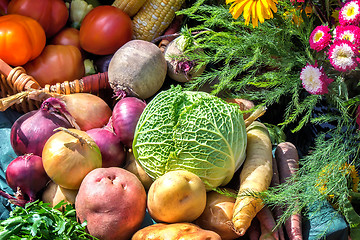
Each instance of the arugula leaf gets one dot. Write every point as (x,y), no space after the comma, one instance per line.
(37,220)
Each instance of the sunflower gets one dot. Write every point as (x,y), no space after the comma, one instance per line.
(257,10)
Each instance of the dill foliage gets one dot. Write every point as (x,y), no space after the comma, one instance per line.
(262,64)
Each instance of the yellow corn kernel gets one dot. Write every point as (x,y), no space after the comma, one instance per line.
(154,17)
(130,7)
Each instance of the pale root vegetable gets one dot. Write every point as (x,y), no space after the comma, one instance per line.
(137,69)
(54,194)
(287,158)
(217,214)
(176,196)
(133,166)
(175,231)
(255,176)
(113,202)
(179,67)
(267,225)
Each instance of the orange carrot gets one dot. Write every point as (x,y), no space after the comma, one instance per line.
(288,163)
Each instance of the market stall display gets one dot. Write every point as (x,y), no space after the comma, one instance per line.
(196,119)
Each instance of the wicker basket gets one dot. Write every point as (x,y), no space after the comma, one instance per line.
(15,80)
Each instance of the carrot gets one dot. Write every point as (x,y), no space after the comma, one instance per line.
(277,210)
(267,224)
(288,163)
(255,176)
(253,232)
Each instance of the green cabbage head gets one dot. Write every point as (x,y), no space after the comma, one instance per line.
(193,131)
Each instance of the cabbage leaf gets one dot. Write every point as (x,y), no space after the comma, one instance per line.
(193,131)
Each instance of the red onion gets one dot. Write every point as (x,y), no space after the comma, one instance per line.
(112,150)
(30,132)
(26,175)
(125,116)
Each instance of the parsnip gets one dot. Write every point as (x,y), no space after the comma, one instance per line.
(255,176)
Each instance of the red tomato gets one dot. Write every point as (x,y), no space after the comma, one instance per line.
(67,36)
(51,14)
(21,40)
(104,30)
(56,64)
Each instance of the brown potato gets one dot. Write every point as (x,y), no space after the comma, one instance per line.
(217,215)
(133,166)
(175,231)
(54,194)
(176,196)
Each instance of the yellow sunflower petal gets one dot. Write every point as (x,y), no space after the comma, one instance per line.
(247,11)
(272,5)
(260,11)
(254,21)
(238,8)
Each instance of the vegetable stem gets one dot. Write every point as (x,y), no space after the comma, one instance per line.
(82,140)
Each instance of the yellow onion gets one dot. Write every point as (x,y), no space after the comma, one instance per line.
(69,155)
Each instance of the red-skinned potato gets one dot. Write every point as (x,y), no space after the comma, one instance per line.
(217,214)
(113,202)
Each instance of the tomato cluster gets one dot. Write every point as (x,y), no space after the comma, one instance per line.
(38,35)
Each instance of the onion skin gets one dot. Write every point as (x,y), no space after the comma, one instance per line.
(88,110)
(68,159)
(112,150)
(30,132)
(125,116)
(26,175)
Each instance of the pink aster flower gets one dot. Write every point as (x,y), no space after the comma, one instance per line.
(350,13)
(350,32)
(320,38)
(314,79)
(343,55)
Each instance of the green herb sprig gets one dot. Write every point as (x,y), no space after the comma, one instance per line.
(40,221)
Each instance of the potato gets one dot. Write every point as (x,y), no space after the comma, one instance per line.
(54,194)
(176,196)
(138,68)
(217,215)
(175,231)
(133,166)
(113,202)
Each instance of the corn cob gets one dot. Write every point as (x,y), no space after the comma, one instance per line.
(130,7)
(154,17)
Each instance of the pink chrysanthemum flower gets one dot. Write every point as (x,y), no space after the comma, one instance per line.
(342,55)
(314,79)
(350,32)
(320,38)
(350,13)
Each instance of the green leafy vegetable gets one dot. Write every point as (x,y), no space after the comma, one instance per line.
(39,221)
(192,131)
